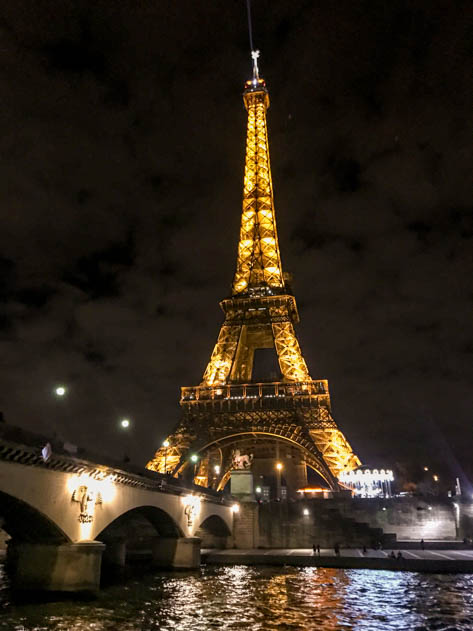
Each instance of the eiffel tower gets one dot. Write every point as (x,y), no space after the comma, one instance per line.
(283,416)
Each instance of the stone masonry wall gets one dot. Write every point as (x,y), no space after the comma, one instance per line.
(346,521)
(409,518)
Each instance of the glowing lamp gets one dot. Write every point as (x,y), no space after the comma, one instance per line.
(279,466)
(235,508)
(166,444)
(306,512)
(125,423)
(194,458)
(60,391)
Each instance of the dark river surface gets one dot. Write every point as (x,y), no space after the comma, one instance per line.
(240,597)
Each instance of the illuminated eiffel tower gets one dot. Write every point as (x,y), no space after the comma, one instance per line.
(280,417)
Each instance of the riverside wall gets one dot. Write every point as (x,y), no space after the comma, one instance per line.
(409,518)
(350,522)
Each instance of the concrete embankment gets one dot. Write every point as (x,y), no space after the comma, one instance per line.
(351,561)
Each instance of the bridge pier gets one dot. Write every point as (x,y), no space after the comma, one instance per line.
(67,567)
(115,553)
(178,553)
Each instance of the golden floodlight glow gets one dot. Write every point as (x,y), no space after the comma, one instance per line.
(261,313)
(88,492)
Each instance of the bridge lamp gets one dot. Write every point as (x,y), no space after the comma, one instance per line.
(258,489)
(279,466)
(60,391)
(235,508)
(125,423)
(436,478)
(194,459)
(217,469)
(306,512)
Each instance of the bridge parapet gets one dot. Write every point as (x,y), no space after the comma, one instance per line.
(143,479)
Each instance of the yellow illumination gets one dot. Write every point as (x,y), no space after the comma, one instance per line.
(192,507)
(259,314)
(258,259)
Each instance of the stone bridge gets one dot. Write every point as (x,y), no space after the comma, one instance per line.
(62,514)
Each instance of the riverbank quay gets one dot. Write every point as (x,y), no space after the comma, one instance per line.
(432,561)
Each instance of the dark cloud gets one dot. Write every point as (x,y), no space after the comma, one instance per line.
(122,152)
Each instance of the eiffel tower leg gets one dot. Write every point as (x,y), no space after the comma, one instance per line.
(291,362)
(223,355)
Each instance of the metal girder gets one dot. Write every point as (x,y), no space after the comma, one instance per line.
(259,260)
(260,314)
(222,357)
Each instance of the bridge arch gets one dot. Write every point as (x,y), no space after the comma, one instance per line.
(150,520)
(213,532)
(26,524)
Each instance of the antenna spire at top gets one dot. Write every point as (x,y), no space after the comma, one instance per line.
(254,56)
(254,53)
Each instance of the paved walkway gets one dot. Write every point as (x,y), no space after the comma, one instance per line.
(416,560)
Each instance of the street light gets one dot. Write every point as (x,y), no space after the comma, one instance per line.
(60,391)
(217,469)
(279,467)
(194,459)
(125,423)
(165,445)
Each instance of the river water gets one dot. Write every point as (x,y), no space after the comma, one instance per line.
(258,598)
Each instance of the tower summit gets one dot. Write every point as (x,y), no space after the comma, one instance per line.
(283,417)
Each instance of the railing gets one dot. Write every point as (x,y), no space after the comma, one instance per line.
(249,391)
(139,478)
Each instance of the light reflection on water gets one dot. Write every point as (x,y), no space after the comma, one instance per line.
(263,599)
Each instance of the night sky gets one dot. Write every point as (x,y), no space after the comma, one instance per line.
(122,147)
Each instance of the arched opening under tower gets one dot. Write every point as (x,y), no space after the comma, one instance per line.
(280,466)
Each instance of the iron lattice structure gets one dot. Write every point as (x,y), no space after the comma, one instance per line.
(227,409)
